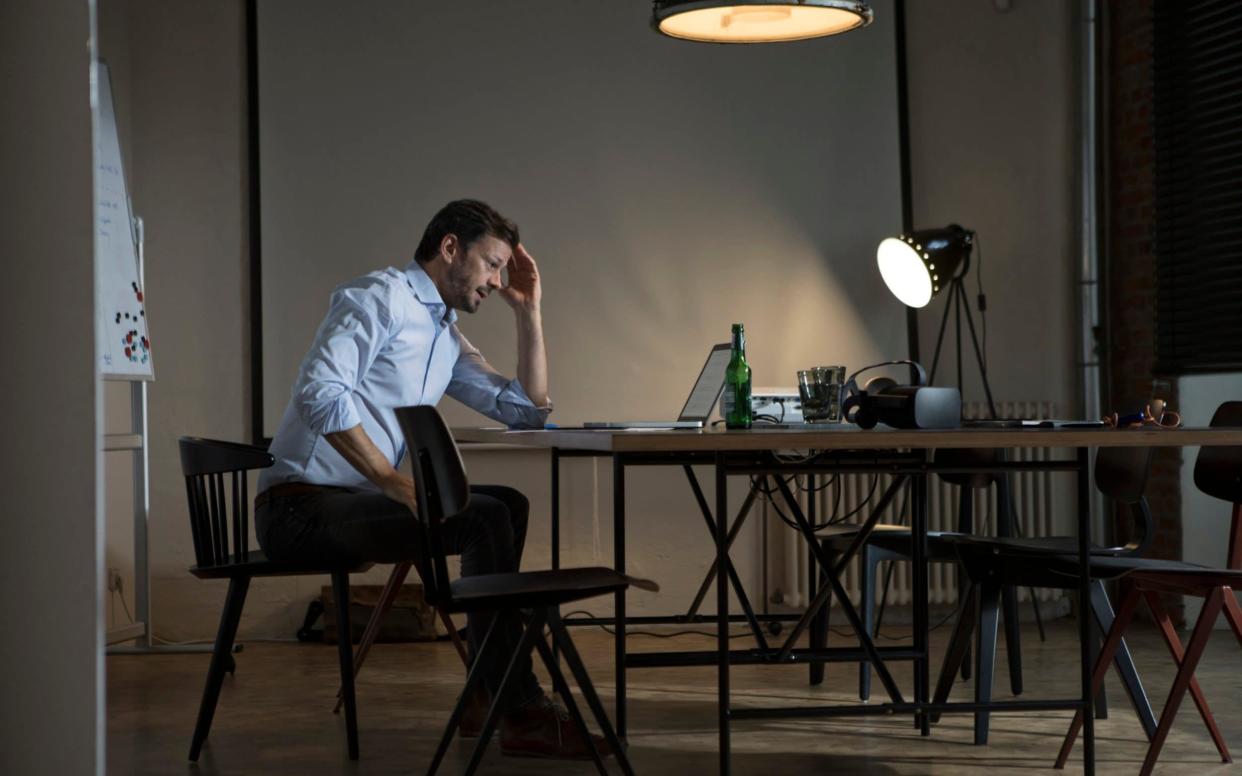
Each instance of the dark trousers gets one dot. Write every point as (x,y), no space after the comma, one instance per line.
(337,525)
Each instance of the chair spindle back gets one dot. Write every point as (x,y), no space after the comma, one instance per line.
(221,535)
(967,456)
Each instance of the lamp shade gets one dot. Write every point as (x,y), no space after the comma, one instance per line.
(916,266)
(757,21)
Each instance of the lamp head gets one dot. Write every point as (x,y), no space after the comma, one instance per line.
(757,21)
(916,266)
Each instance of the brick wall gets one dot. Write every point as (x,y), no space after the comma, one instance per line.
(1131,261)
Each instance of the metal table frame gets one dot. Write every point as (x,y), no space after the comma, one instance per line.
(750,453)
(916,467)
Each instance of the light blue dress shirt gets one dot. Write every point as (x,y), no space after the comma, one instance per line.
(387,341)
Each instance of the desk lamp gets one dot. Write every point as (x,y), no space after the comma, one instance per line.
(757,21)
(916,267)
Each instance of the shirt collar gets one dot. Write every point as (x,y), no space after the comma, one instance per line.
(425,291)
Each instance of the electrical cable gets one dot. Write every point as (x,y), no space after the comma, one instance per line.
(828,483)
(952,615)
(834,520)
(653,634)
(125,606)
(982,303)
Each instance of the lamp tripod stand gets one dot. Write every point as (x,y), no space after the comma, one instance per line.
(958,304)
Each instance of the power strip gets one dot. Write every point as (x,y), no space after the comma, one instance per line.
(780,404)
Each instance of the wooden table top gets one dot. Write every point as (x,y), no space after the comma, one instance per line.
(844,437)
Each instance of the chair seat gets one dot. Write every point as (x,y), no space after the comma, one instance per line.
(256,564)
(526,589)
(1043,545)
(893,538)
(1027,565)
(1115,567)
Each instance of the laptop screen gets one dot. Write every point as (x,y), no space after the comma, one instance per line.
(709,385)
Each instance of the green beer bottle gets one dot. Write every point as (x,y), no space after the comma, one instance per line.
(737,410)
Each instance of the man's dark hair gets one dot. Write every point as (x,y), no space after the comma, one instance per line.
(468,219)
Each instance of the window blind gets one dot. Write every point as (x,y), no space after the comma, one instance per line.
(1197,74)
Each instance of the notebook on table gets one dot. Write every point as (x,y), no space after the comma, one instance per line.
(1030,423)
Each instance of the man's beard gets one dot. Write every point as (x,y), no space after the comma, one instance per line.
(465,296)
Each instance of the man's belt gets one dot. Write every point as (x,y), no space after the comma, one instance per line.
(287,489)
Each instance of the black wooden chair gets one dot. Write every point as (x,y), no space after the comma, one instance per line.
(1218,473)
(222,551)
(443,491)
(983,605)
(892,543)
(1121,475)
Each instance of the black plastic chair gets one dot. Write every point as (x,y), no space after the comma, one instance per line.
(992,563)
(1218,473)
(222,551)
(443,492)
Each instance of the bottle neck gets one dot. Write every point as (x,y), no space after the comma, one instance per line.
(739,342)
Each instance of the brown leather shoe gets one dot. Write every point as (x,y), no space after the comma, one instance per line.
(475,713)
(543,729)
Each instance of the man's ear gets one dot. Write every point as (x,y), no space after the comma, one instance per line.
(450,248)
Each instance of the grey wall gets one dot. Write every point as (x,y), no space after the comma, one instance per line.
(993,144)
(179,83)
(185,106)
(53,678)
(667,189)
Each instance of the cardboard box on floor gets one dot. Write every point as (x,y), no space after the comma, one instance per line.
(409,619)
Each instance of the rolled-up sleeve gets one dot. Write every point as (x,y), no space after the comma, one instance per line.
(477,385)
(354,331)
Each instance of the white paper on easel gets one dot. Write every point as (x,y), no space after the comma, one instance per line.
(123,344)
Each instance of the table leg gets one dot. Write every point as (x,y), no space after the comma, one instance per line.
(618,549)
(1084,610)
(556,526)
(722,611)
(556,508)
(918,530)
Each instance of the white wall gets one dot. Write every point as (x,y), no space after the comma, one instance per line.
(1205,520)
(52,682)
(186,86)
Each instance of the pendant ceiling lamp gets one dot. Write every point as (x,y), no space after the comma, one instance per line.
(757,21)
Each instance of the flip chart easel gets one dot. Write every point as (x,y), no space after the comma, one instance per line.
(122,339)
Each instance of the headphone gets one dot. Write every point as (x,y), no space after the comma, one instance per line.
(859,406)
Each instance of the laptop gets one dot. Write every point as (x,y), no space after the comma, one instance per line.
(699,405)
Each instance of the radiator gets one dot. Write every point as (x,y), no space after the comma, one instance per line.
(1037,498)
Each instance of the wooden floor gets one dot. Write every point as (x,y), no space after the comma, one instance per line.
(275,715)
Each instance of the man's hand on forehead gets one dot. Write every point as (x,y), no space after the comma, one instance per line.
(522,288)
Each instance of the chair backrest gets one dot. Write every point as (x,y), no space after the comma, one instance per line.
(1121,475)
(205,462)
(1218,470)
(969,456)
(442,489)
